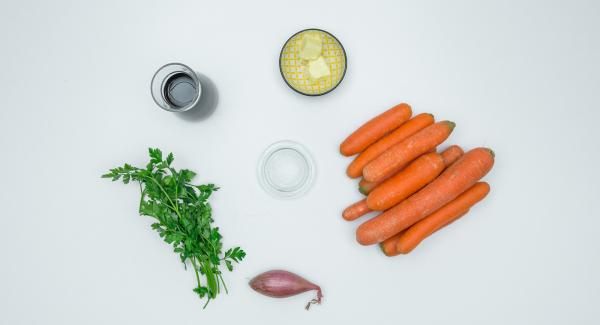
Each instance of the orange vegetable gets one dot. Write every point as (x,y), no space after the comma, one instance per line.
(407,129)
(451,154)
(459,177)
(444,216)
(399,155)
(365,187)
(376,128)
(356,210)
(388,246)
(408,181)
(405,183)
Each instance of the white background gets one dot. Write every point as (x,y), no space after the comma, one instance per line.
(521,77)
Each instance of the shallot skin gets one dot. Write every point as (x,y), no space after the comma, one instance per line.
(282,284)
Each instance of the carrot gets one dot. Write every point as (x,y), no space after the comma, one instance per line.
(365,187)
(399,155)
(356,210)
(408,181)
(407,129)
(388,246)
(417,174)
(374,129)
(451,154)
(444,216)
(459,177)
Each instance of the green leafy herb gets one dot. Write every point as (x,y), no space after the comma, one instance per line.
(183,218)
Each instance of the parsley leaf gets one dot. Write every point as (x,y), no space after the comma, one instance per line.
(183,218)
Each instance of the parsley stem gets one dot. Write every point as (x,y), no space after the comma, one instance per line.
(193,259)
(223,281)
(206,304)
(142,195)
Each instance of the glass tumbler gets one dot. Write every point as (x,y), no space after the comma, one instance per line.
(175,87)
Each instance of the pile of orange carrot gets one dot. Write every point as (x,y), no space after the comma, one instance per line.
(417,189)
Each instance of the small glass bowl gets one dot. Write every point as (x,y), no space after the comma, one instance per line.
(286,170)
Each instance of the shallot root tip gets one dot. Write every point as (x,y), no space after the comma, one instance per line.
(315,301)
(312,302)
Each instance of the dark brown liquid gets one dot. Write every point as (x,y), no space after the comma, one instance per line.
(180,90)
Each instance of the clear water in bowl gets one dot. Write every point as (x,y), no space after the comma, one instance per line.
(286,170)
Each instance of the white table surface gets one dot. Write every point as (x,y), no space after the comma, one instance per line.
(519,77)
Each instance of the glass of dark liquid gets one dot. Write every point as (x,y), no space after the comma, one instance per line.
(175,87)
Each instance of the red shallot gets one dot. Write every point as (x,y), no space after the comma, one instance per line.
(282,284)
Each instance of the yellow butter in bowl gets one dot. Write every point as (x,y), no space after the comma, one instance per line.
(311,46)
(318,69)
(312,62)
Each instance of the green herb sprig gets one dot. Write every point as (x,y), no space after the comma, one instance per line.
(183,218)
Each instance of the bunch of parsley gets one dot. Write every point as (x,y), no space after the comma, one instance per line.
(183,218)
